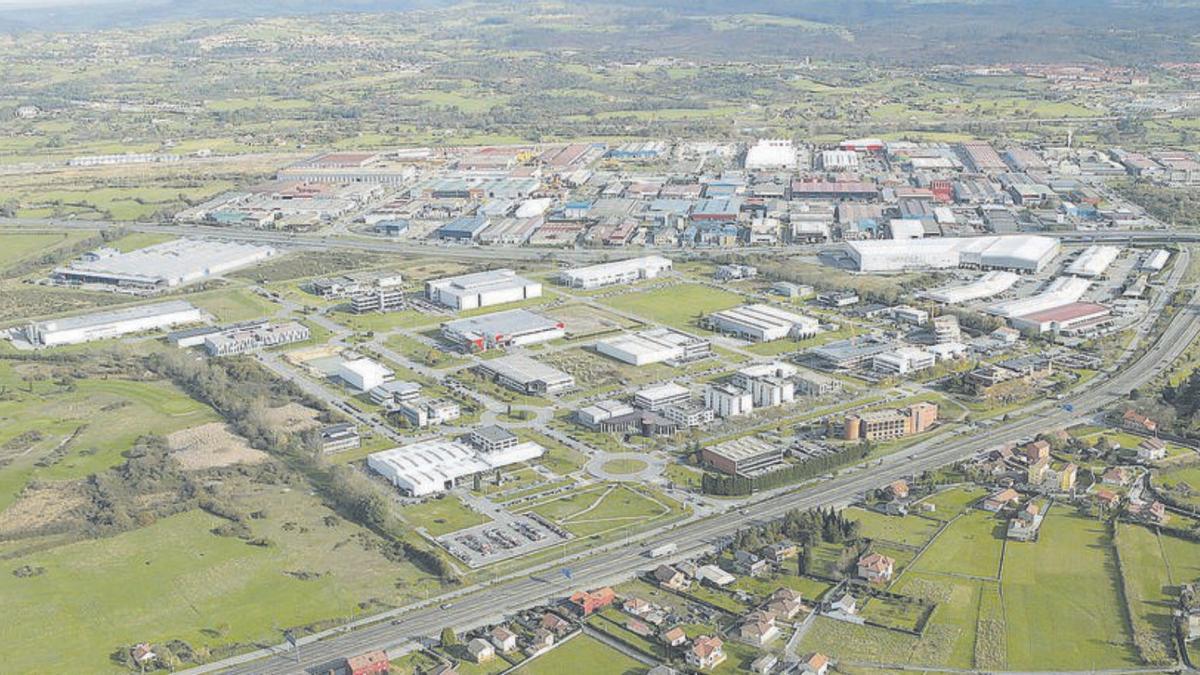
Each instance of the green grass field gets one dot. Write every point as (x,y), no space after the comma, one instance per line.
(911,530)
(1148,585)
(604,509)
(17,246)
(1062,601)
(441,516)
(970,546)
(679,305)
(583,655)
(235,304)
(176,580)
(112,413)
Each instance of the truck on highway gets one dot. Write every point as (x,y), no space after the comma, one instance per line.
(663,550)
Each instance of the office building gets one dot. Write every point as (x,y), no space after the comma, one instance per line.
(421,413)
(727,401)
(251,337)
(363,374)
(902,361)
(747,456)
(883,425)
(658,397)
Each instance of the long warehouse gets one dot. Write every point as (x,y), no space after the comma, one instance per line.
(162,266)
(111,324)
(1022,253)
(655,346)
(502,329)
(1093,261)
(1061,291)
(990,284)
(619,272)
(761,323)
(436,465)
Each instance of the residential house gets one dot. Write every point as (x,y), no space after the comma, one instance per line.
(555,624)
(1035,473)
(503,639)
(897,489)
(1106,498)
(758,628)
(586,602)
(706,652)
(1037,451)
(1066,477)
(1152,450)
(779,552)
(1024,526)
(671,578)
(1135,421)
(1150,512)
(1001,499)
(480,650)
(1118,475)
(876,567)
(815,664)
(636,607)
(372,663)
(541,640)
(143,653)
(674,637)
(748,563)
(784,603)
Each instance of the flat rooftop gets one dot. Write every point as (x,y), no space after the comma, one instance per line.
(1074,310)
(116,316)
(745,448)
(513,321)
(520,368)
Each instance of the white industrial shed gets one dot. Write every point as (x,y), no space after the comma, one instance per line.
(619,272)
(771,153)
(481,289)
(114,323)
(991,283)
(1061,291)
(762,323)
(654,346)
(1023,253)
(160,266)
(435,465)
(1156,260)
(1093,261)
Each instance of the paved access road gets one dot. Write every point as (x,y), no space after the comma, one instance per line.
(488,606)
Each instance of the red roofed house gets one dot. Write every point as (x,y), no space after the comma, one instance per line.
(1107,498)
(1116,476)
(586,602)
(1136,421)
(816,664)
(875,567)
(1000,500)
(898,489)
(706,652)
(1037,451)
(675,637)
(370,663)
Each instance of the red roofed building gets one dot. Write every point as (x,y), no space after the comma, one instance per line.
(875,567)
(706,652)
(369,663)
(1136,421)
(588,602)
(1069,318)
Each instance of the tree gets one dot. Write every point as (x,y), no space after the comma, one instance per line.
(449,639)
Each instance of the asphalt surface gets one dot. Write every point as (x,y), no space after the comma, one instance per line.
(489,605)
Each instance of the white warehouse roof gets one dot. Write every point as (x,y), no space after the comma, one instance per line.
(1061,291)
(1019,252)
(991,283)
(771,153)
(621,271)
(1093,261)
(430,466)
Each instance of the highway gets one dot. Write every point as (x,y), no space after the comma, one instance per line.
(489,605)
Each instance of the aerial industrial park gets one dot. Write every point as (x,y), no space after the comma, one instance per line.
(894,368)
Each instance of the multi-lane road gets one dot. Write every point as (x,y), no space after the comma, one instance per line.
(489,604)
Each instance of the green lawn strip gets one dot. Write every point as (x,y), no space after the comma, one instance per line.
(956,612)
(677,305)
(1148,591)
(949,503)
(234,304)
(582,655)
